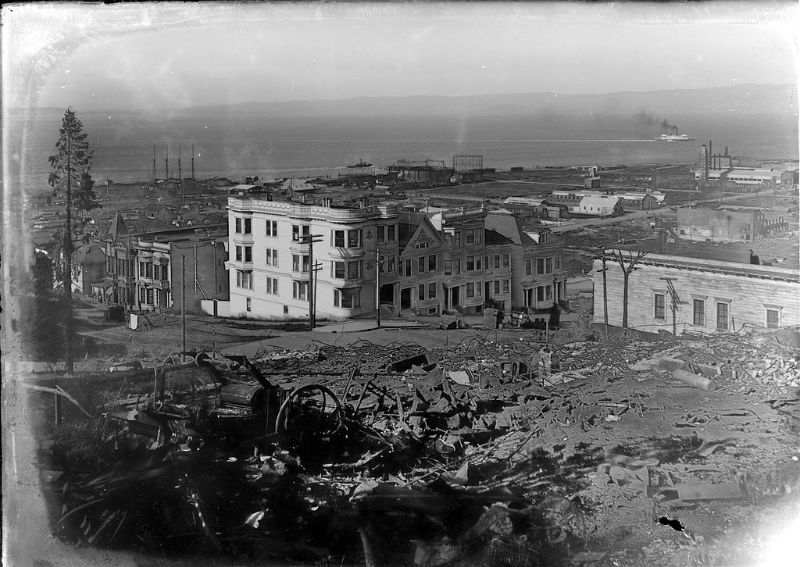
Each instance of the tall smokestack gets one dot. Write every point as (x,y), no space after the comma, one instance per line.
(166,162)
(192,162)
(179,162)
(726,150)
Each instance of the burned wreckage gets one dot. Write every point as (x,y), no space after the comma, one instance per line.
(471,454)
(216,457)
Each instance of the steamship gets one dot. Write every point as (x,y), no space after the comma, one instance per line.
(673,138)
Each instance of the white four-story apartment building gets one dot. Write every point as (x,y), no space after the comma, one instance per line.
(270,261)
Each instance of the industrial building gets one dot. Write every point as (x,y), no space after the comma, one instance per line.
(726,225)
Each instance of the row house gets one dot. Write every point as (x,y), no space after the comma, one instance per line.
(370,257)
(692,291)
(467,260)
(170,263)
(538,280)
(118,284)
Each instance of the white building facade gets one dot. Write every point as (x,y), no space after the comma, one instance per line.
(270,261)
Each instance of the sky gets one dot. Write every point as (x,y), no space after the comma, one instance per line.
(96,56)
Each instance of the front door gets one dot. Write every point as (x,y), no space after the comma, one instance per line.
(405,298)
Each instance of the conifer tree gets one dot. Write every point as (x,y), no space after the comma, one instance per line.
(70,177)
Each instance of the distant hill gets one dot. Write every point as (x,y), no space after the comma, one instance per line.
(753,99)
(647,106)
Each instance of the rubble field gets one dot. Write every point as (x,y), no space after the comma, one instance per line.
(618,453)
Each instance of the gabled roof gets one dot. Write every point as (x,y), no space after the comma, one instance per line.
(423,230)
(508,226)
(117,228)
(494,238)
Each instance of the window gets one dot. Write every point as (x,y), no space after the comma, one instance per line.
(431,291)
(238,225)
(432,263)
(347,299)
(272,228)
(659,303)
(548,265)
(338,270)
(469,237)
(408,267)
(497,261)
(421,264)
(272,257)
(722,316)
(391,264)
(249,304)
(381,233)
(496,287)
(300,230)
(507,287)
(458,266)
(699,312)
(238,253)
(300,263)
(528,267)
(353,271)
(338,238)
(353,238)
(248,253)
(272,286)
(470,263)
(421,292)
(448,267)
(244,279)
(248,226)
(557,260)
(299,290)
(458,238)
(773,318)
(390,233)
(506,260)
(470,290)
(540,293)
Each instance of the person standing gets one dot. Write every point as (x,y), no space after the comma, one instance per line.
(547,359)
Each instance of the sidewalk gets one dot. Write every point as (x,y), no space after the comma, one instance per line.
(356,325)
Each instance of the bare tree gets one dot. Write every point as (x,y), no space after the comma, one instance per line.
(70,178)
(627,260)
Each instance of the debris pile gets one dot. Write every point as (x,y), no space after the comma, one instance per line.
(398,454)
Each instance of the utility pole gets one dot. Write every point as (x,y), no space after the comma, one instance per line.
(183,306)
(675,301)
(605,297)
(192,162)
(378,286)
(154,164)
(166,164)
(180,177)
(310,239)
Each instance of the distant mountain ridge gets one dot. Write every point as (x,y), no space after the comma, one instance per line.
(740,98)
(749,98)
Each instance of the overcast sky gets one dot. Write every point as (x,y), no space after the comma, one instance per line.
(173,55)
